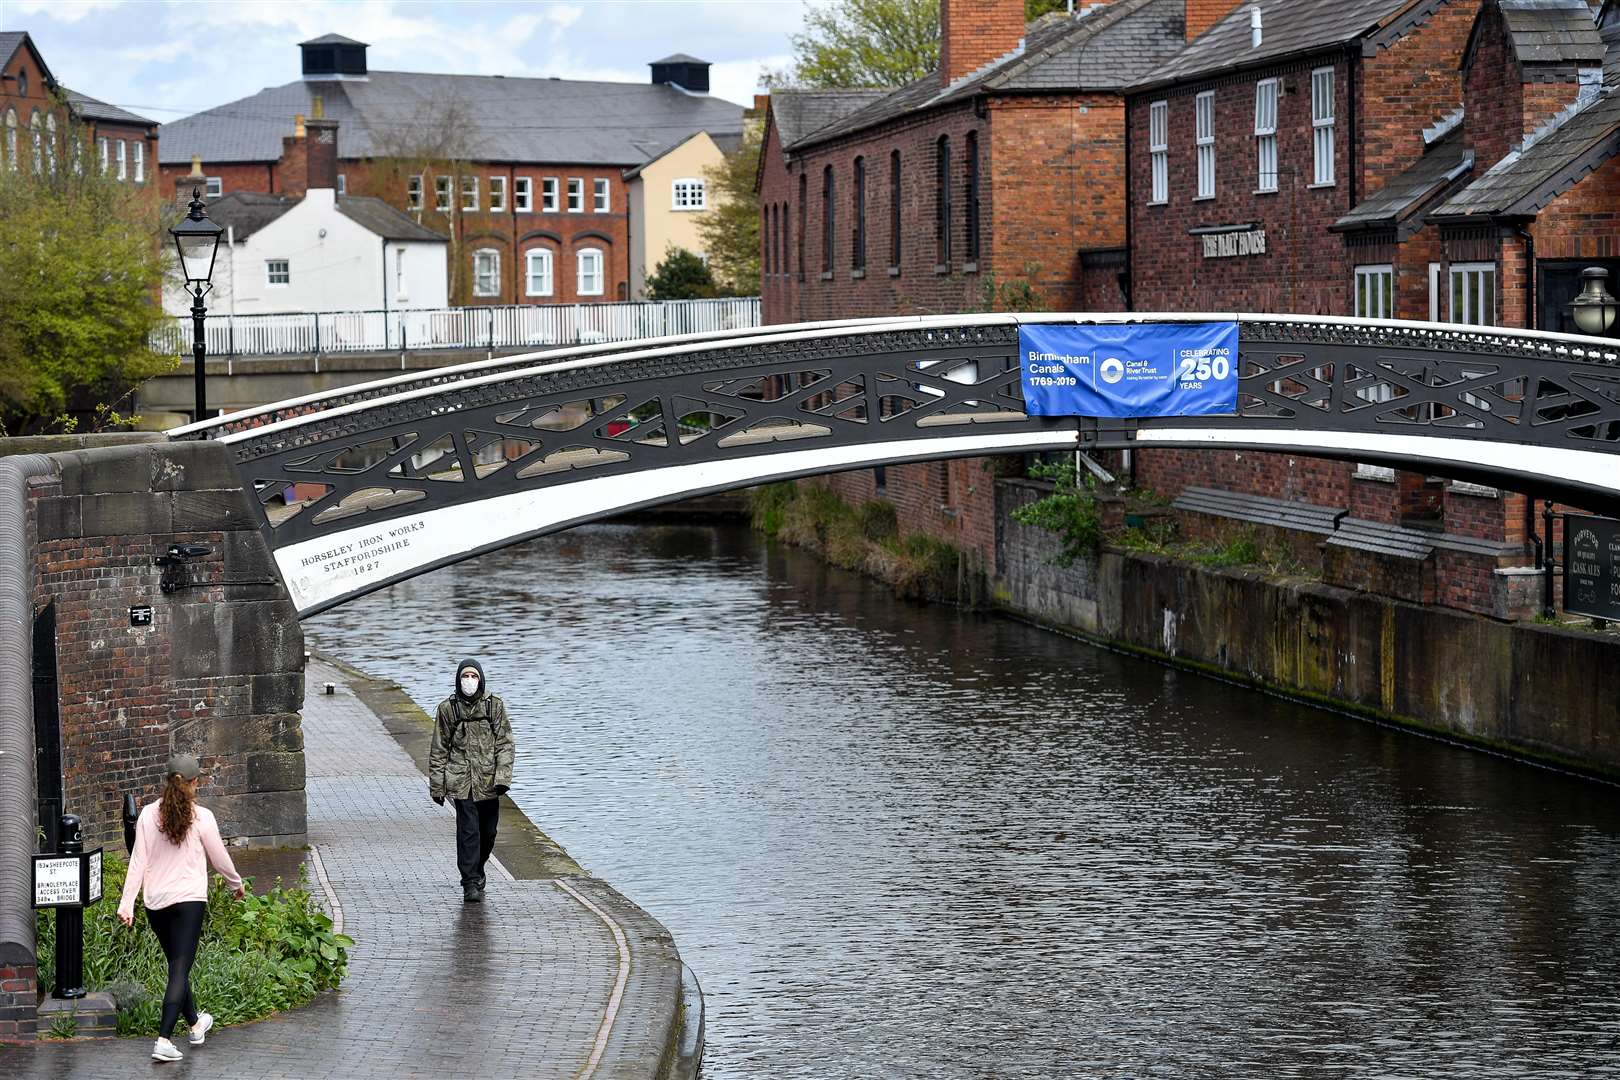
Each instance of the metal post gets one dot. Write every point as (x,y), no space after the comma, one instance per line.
(199,353)
(132,815)
(70,924)
(1548,608)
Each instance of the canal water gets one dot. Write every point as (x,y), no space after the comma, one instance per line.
(896,840)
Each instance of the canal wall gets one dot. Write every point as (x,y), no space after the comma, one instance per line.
(1538,692)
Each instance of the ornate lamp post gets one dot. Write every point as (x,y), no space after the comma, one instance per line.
(1594,309)
(197,241)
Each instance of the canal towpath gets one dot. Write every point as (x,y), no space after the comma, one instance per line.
(555,975)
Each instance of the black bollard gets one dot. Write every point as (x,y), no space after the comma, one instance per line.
(70,923)
(132,814)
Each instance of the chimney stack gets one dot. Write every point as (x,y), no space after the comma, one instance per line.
(974,32)
(320,148)
(193,179)
(1203,14)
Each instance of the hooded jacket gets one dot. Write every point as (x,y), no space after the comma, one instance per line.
(472,743)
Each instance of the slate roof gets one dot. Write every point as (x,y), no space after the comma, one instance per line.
(11,41)
(1557,158)
(800,113)
(680,58)
(1553,32)
(1442,167)
(561,121)
(91,109)
(1288,27)
(1104,48)
(246,212)
(333,39)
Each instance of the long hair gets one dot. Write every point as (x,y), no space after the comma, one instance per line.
(177,809)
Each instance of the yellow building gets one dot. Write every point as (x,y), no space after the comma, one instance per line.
(667,196)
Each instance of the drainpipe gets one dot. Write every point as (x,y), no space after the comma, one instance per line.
(1530,324)
(17,793)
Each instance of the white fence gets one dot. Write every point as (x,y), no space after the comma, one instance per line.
(454,328)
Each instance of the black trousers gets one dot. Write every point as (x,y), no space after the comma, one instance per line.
(178,928)
(475,837)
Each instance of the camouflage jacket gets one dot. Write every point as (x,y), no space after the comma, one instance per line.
(472,749)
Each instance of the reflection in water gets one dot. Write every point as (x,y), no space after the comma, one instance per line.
(897,840)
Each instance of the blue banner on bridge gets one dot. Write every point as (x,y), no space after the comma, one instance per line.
(1141,369)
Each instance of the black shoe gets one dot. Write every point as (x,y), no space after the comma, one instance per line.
(472,894)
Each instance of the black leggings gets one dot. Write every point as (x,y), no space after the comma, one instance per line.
(178,928)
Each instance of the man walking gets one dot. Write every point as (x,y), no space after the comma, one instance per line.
(471,764)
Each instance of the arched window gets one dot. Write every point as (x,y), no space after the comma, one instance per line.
(857,255)
(804,199)
(894,209)
(942,201)
(826,220)
(787,227)
(50,142)
(973,196)
(486,264)
(765,239)
(37,129)
(537,273)
(589,272)
(11,138)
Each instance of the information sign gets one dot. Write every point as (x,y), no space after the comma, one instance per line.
(1140,369)
(70,880)
(1592,566)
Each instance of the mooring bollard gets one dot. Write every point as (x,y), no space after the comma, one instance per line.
(132,814)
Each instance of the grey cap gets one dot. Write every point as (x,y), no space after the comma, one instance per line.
(186,765)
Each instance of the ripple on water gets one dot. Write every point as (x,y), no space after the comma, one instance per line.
(896,840)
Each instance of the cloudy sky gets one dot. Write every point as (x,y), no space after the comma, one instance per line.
(166,59)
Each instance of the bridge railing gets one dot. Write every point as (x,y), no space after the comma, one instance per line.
(513,327)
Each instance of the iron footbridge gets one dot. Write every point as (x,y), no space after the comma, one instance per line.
(368,485)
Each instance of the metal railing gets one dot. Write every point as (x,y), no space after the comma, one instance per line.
(518,327)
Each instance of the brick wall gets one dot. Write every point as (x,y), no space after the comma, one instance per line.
(1404,87)
(218,673)
(1492,93)
(974,32)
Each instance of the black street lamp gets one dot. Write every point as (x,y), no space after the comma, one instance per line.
(1594,309)
(197,240)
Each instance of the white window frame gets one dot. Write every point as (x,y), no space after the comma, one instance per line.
(213,186)
(497,194)
(580,276)
(549,187)
(50,141)
(486,284)
(120,155)
(343,184)
(1322,120)
(413,192)
(469,194)
(399,274)
(441,193)
(546,262)
(1267,92)
(523,195)
(271,271)
(1204,142)
(1475,298)
(1375,291)
(104,143)
(1159,150)
(576,195)
(688,194)
(1434,292)
(601,196)
(140,162)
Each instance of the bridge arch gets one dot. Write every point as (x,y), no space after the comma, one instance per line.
(361,487)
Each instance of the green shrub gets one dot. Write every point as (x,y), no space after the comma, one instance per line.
(879,521)
(258,955)
(1238,551)
(1070,512)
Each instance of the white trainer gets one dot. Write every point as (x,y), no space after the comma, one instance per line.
(200,1030)
(164,1050)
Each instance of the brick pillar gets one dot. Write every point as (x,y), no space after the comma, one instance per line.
(974,32)
(320,149)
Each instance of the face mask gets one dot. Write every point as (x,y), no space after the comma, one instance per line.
(469,685)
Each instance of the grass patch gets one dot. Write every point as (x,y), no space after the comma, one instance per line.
(867,540)
(259,955)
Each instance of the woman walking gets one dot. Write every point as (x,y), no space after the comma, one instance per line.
(175,840)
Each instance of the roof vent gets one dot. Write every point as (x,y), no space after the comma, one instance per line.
(682,72)
(334,57)
(1256,28)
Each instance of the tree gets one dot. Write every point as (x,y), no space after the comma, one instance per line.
(81,265)
(855,43)
(681,276)
(730,229)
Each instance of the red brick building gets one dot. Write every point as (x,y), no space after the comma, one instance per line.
(1001,170)
(523,175)
(44,125)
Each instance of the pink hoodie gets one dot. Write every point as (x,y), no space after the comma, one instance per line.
(170,873)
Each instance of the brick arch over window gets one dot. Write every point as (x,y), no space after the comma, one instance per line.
(540,234)
(591,236)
